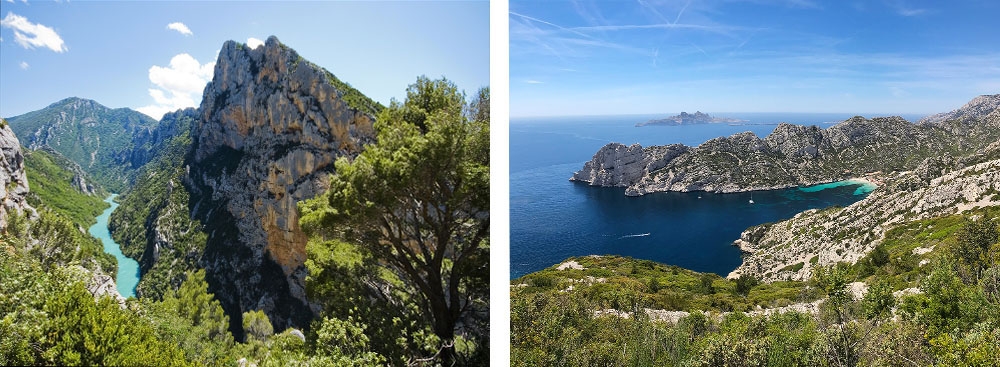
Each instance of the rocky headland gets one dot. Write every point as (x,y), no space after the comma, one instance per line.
(792,155)
(946,164)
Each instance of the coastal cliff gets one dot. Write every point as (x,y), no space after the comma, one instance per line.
(793,155)
(791,249)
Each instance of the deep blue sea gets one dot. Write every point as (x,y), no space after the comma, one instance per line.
(552,218)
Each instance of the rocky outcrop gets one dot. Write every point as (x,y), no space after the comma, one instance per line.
(270,129)
(99,284)
(791,249)
(619,165)
(791,155)
(13,180)
(81,181)
(975,109)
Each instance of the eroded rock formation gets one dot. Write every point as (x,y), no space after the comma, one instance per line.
(271,127)
(13,181)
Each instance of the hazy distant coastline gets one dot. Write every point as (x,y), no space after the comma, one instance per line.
(689,119)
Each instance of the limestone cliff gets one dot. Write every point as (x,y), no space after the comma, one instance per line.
(619,165)
(270,129)
(792,155)
(13,181)
(790,249)
(978,106)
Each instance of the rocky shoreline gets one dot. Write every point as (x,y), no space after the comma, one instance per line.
(793,155)
(946,164)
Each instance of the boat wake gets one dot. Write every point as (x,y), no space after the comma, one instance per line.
(634,235)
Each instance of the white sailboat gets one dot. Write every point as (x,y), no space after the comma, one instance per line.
(751,196)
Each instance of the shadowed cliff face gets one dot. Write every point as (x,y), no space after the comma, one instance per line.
(271,127)
(13,180)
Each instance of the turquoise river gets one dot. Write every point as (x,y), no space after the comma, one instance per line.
(128,269)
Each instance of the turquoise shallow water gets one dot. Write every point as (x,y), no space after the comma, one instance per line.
(128,269)
(863,188)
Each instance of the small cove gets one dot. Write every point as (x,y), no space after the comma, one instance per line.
(128,269)
(552,218)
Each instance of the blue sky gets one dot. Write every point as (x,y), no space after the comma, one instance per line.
(650,56)
(122,54)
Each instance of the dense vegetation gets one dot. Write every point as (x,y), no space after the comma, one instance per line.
(50,317)
(50,183)
(373,311)
(950,316)
(401,238)
(97,138)
(156,209)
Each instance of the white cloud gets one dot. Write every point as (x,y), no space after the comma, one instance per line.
(533,82)
(180,27)
(177,86)
(10,1)
(252,43)
(24,65)
(30,35)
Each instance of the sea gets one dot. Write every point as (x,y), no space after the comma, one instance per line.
(552,218)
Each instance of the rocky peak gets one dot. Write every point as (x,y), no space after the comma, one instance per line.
(978,107)
(93,136)
(795,140)
(271,127)
(13,180)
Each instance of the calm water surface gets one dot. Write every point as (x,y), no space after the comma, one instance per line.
(128,269)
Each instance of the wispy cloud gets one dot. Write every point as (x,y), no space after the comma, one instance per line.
(534,82)
(30,35)
(24,65)
(180,28)
(901,7)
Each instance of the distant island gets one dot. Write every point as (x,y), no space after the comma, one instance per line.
(689,119)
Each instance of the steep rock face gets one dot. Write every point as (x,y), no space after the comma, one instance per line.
(271,127)
(791,249)
(792,155)
(13,181)
(619,165)
(977,108)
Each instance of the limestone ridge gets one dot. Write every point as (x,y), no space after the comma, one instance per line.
(97,138)
(13,180)
(792,155)
(979,106)
(271,127)
(791,249)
